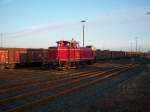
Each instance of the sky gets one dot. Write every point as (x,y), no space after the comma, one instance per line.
(110,24)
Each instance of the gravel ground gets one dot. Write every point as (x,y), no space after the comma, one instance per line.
(128,92)
(131,96)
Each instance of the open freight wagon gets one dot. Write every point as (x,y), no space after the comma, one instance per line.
(13,57)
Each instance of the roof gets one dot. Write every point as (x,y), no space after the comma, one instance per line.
(63,41)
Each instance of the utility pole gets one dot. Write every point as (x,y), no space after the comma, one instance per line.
(131,47)
(136,44)
(83,21)
(1,39)
(139,48)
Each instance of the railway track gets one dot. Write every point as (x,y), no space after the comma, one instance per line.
(35,80)
(57,88)
(30,74)
(24,78)
(35,73)
(21,87)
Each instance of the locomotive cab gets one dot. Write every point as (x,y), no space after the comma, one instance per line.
(71,44)
(63,43)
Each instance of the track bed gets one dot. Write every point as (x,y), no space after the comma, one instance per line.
(51,90)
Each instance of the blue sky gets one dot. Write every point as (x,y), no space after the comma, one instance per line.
(111,24)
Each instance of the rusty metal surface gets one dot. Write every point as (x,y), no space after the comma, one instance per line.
(22,55)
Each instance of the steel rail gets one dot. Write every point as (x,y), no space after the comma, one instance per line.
(48,99)
(51,85)
(90,77)
(47,84)
(36,82)
(31,79)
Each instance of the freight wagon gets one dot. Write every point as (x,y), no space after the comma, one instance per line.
(12,57)
(118,54)
(103,54)
(106,54)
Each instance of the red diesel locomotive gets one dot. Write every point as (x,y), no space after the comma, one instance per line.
(69,54)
